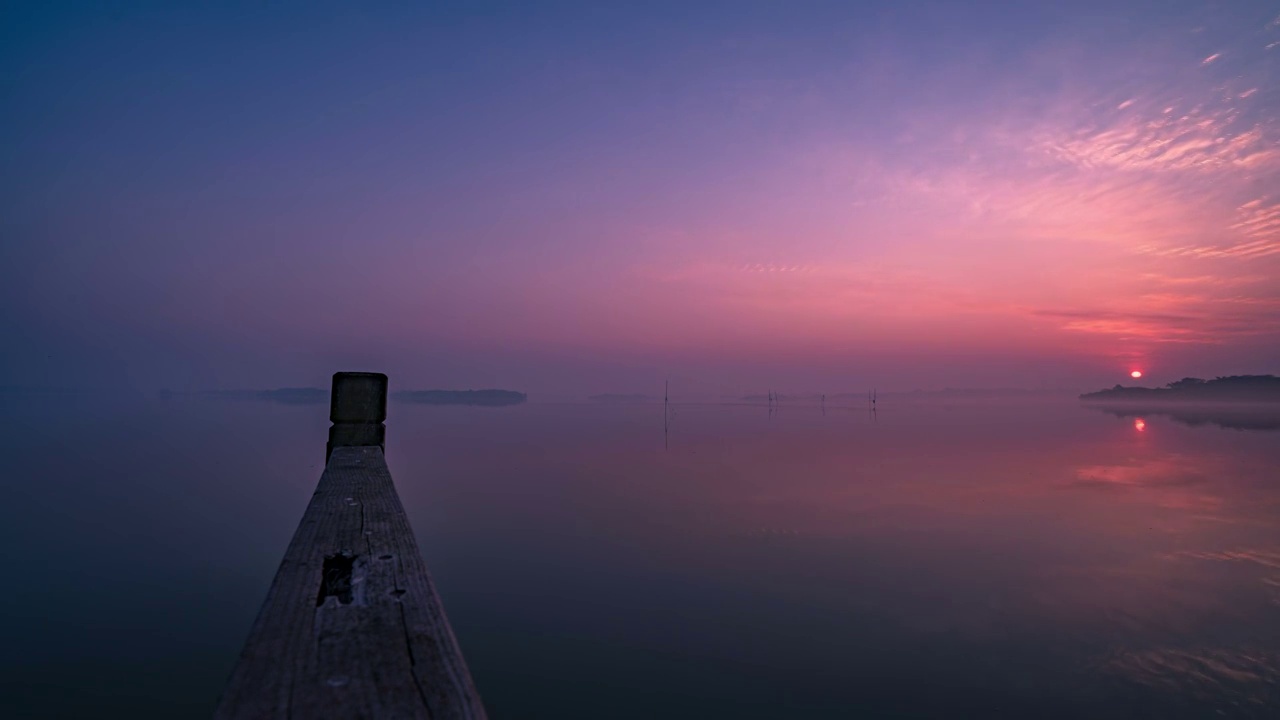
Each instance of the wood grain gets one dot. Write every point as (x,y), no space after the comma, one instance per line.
(389,652)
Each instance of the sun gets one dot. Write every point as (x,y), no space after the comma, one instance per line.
(1135,374)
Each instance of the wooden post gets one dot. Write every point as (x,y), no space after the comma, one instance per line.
(357,409)
(352,626)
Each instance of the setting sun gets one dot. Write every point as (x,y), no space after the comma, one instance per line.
(1135,374)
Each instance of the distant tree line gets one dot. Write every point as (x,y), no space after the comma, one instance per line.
(1229,388)
(491,398)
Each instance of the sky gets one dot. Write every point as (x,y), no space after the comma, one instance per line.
(591,197)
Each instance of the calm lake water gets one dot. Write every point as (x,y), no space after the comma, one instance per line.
(932,561)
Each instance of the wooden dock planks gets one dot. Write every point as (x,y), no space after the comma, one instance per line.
(352,626)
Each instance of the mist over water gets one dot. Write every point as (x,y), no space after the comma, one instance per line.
(932,560)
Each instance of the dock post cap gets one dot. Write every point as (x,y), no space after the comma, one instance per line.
(358,397)
(357,408)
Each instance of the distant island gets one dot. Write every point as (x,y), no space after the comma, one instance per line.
(621,399)
(490,398)
(1232,389)
(296,396)
(286,396)
(21,390)
(316,396)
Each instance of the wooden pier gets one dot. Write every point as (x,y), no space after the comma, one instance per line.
(352,627)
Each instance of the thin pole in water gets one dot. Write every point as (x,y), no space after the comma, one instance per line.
(666,401)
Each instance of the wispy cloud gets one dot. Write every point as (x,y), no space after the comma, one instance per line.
(1259,219)
(1181,317)
(1199,139)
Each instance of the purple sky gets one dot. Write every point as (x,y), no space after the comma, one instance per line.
(563,198)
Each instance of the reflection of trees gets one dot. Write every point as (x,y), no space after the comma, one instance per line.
(1234,418)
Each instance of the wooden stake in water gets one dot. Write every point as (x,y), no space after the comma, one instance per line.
(666,394)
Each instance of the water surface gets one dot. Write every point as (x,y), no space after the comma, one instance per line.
(928,561)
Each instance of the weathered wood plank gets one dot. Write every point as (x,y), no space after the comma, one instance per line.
(352,626)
